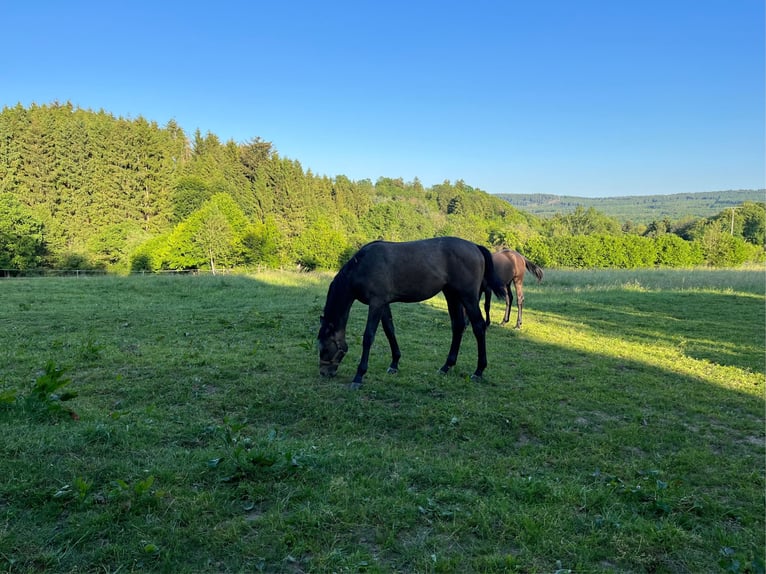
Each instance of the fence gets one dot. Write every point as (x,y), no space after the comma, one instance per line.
(11,273)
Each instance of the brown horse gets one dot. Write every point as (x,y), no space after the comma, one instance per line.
(381,273)
(510,266)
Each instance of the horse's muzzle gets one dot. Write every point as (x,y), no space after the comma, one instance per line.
(330,368)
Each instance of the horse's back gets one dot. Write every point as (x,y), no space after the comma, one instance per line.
(441,252)
(413,271)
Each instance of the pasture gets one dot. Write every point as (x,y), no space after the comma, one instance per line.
(179,424)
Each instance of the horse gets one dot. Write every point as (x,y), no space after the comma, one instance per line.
(384,272)
(510,266)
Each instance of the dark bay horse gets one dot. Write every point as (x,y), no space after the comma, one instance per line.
(510,266)
(382,272)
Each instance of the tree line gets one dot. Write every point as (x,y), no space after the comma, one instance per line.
(81,189)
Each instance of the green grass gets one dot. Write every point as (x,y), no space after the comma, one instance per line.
(622,430)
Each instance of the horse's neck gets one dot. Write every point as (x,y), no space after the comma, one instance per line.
(339,301)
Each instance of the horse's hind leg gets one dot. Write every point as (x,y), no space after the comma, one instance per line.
(479,330)
(388,328)
(487,304)
(508,303)
(519,302)
(458,325)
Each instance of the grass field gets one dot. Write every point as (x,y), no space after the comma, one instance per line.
(179,424)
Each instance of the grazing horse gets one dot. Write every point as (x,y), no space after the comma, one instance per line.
(510,266)
(382,272)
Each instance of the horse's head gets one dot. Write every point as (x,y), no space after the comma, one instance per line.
(332,348)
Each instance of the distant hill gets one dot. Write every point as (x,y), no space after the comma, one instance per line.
(637,208)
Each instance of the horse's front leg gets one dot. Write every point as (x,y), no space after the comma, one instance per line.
(388,328)
(374,313)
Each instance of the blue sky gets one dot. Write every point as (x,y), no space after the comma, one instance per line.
(577,97)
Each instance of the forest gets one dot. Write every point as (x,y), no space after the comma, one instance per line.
(83,189)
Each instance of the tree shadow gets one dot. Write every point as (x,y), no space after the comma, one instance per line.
(717,327)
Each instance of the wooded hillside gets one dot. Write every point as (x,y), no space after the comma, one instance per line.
(84,189)
(638,209)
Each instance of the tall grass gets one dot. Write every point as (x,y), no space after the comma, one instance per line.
(741,280)
(622,430)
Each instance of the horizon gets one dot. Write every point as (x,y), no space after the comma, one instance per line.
(592,100)
(711,191)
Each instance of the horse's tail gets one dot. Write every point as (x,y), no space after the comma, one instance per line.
(490,277)
(536,269)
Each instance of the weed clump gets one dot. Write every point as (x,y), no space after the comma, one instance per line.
(46,397)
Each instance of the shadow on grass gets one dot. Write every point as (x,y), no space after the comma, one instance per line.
(723,328)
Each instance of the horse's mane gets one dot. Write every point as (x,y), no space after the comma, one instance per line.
(339,295)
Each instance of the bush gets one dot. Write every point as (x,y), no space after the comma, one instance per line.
(537,249)
(320,246)
(610,251)
(74,261)
(141,262)
(673,251)
(721,249)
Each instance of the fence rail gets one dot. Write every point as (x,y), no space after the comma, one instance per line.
(11,273)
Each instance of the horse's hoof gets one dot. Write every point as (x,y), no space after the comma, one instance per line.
(444,370)
(477,378)
(355,386)
(392,371)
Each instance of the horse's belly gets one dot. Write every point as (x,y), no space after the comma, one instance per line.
(414,296)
